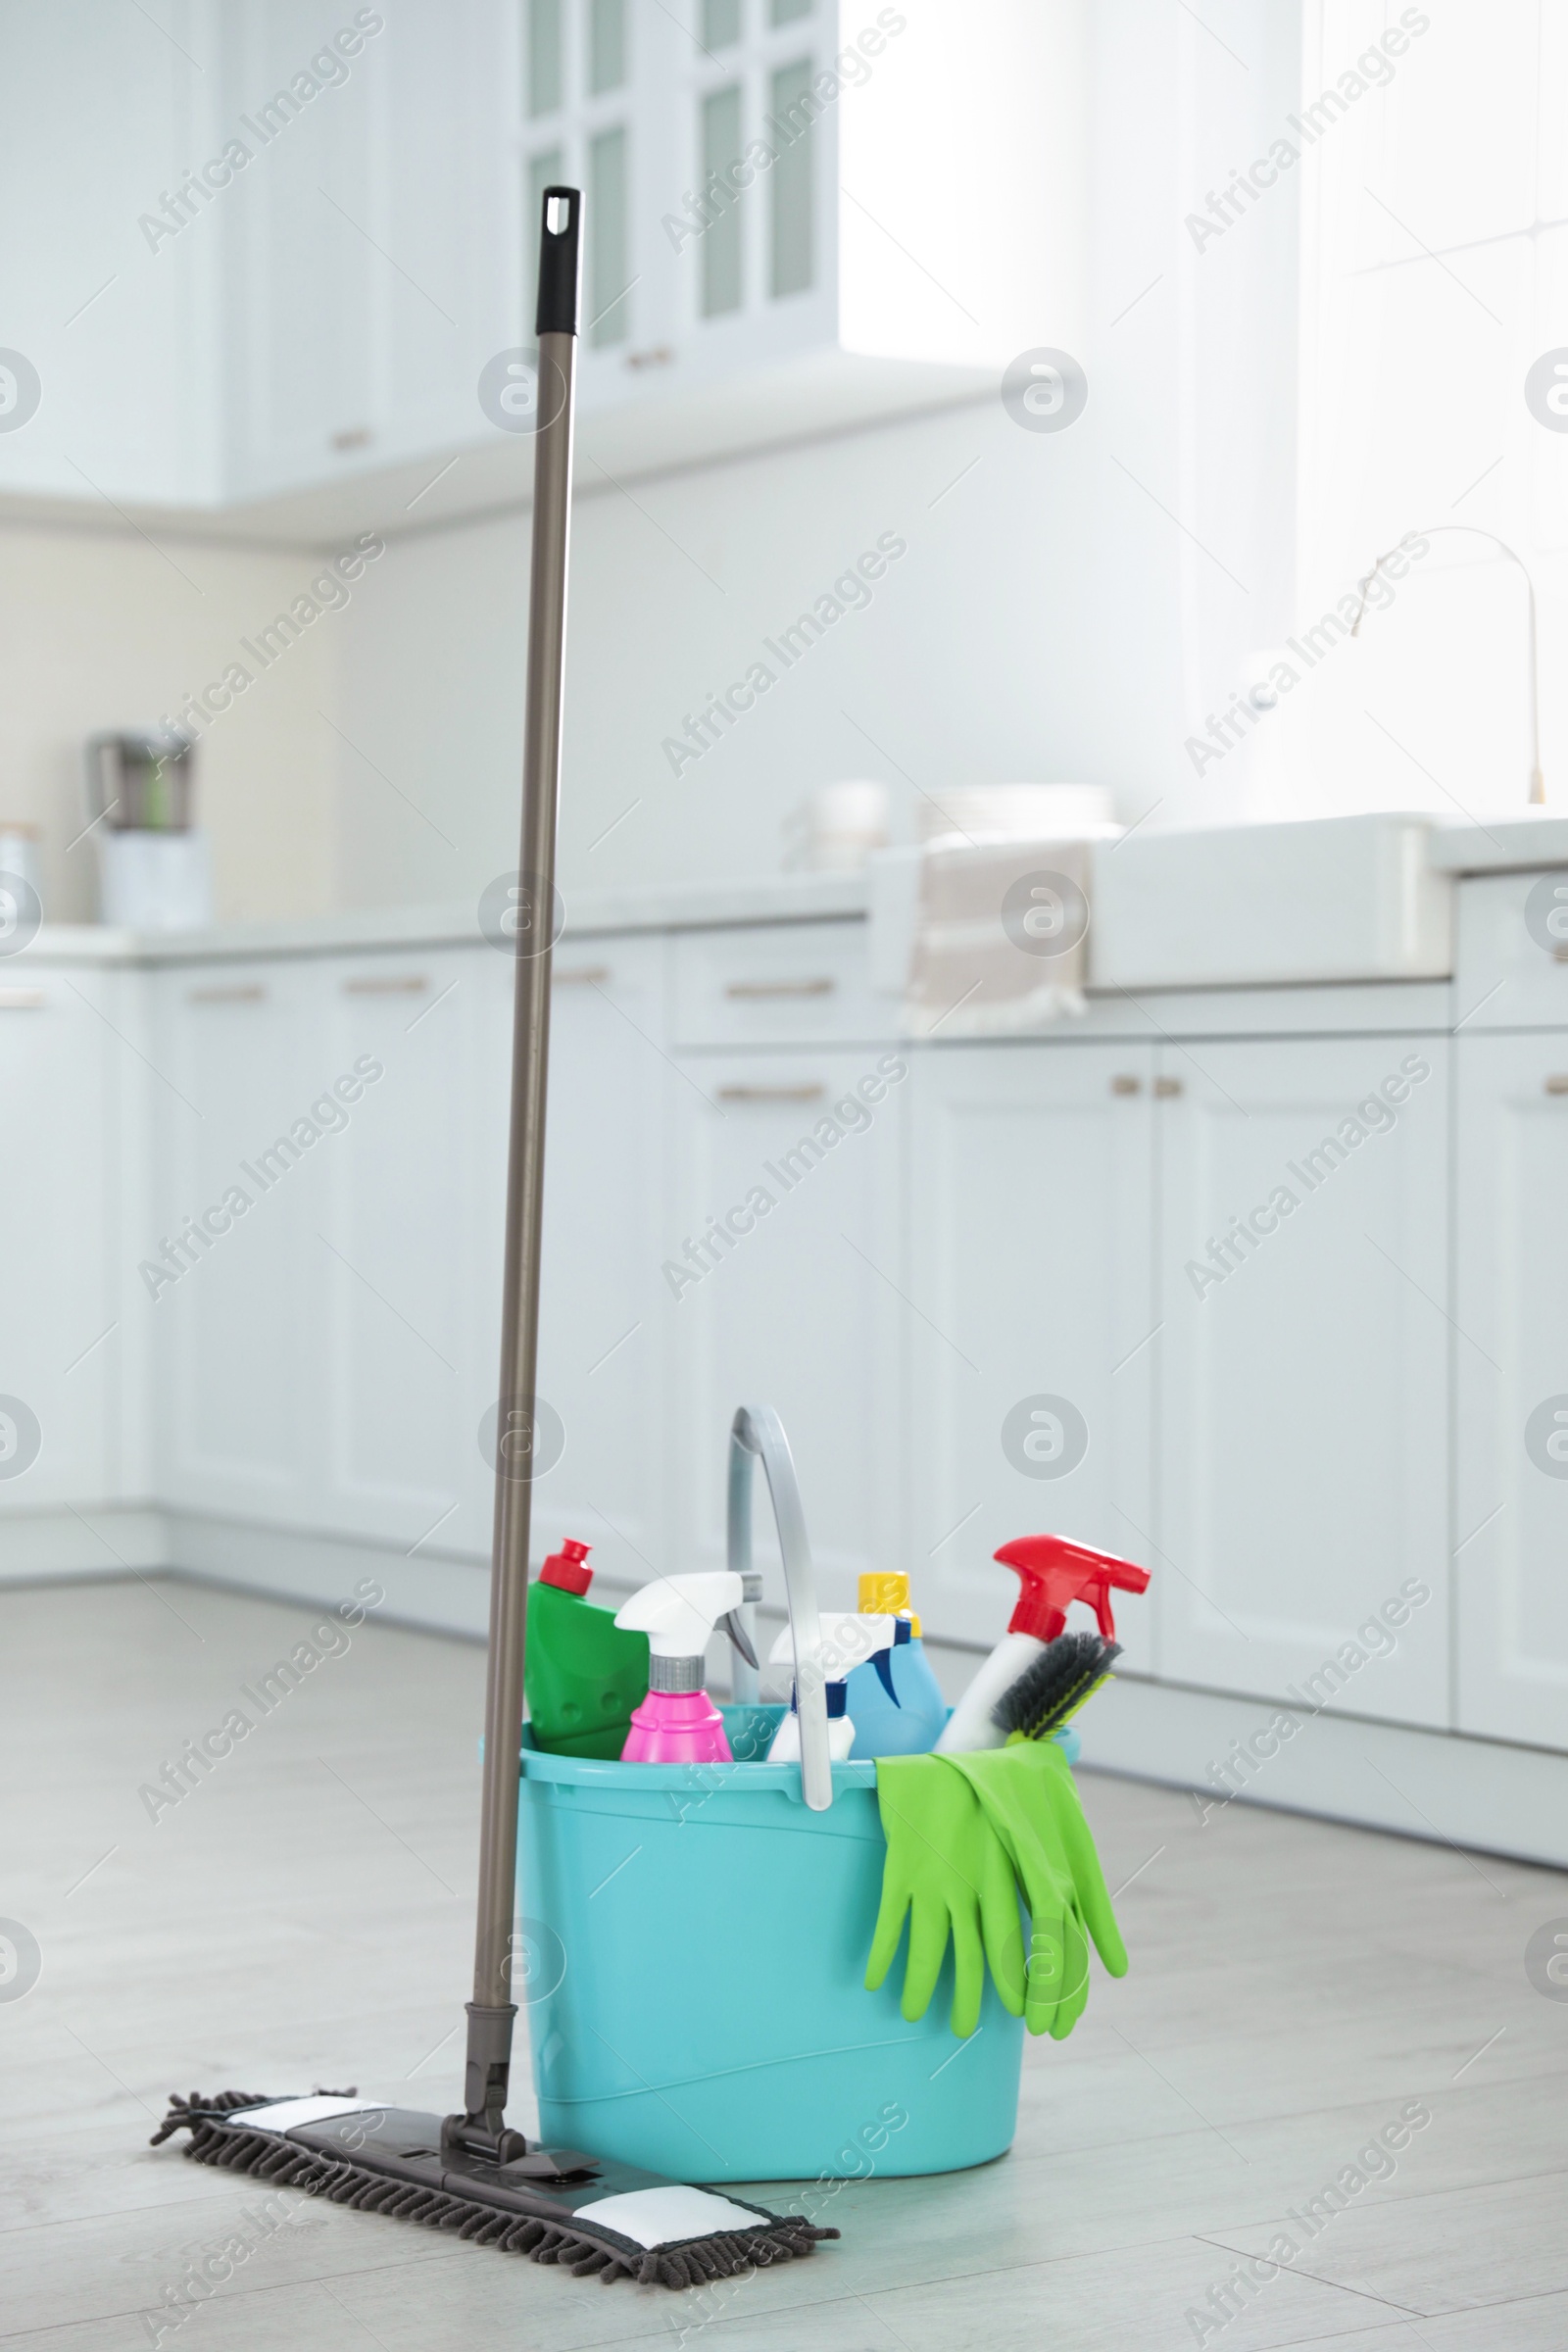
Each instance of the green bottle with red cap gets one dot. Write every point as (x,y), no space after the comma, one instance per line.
(583,1674)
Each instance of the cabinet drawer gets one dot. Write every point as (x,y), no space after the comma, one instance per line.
(1513,968)
(782,984)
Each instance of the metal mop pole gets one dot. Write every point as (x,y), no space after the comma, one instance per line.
(492,2010)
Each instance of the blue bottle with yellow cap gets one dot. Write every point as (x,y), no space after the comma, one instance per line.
(910,1723)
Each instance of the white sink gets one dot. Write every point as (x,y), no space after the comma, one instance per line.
(1517,843)
(1338,897)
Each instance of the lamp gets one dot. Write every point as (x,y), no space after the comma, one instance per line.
(1538,782)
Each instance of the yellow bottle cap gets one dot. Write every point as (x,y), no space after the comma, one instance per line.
(886,1595)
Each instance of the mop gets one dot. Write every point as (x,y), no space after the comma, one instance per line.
(468,2173)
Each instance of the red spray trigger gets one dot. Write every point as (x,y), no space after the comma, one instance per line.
(1054,1572)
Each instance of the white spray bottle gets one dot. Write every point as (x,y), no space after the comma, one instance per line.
(849,1640)
(1052,1572)
(677,1722)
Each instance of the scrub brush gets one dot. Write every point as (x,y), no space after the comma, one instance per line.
(1053,1686)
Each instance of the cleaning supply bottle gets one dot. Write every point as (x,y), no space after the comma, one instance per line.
(786,1747)
(582,1675)
(850,1639)
(912,1723)
(677,1722)
(1054,1572)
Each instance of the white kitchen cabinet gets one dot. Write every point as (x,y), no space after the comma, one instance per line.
(1512,1354)
(114,321)
(795,1303)
(774,241)
(1303,1400)
(334,1355)
(767,248)
(777,984)
(62,1343)
(587,101)
(299,380)
(1029,1327)
(238,1329)
(772,245)
(443,301)
(603,1310)
(399,1259)
(367,282)
(1513,951)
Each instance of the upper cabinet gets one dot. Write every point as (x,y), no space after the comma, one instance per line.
(798,214)
(108,262)
(368,267)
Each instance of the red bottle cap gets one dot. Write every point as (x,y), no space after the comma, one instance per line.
(1054,1572)
(568,1568)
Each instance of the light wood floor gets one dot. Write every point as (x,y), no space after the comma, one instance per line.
(303,1917)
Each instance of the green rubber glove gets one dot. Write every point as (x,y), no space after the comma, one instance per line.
(1027,1793)
(945,1869)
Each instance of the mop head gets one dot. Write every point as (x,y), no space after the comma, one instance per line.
(595,2219)
(1054,1686)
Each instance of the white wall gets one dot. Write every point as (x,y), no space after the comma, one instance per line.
(980,655)
(101,631)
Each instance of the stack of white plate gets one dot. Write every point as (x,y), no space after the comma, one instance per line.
(1015,812)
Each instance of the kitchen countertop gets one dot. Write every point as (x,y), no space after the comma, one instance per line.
(659,906)
(1530,840)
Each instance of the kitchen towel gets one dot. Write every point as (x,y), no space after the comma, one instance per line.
(1001,935)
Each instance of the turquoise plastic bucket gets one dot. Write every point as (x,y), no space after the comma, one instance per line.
(694,1961)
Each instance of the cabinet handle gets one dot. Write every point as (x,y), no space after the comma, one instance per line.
(1124,1083)
(780,988)
(386,984)
(658,355)
(1165,1087)
(585,975)
(1558,1083)
(21,999)
(240,992)
(771,1093)
(354,436)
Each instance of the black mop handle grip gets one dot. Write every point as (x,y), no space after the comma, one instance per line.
(559,262)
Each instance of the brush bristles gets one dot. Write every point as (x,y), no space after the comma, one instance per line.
(1054,1686)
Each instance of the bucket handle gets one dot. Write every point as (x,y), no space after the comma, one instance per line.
(758,1430)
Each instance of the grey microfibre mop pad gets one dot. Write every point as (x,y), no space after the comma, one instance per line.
(545,2211)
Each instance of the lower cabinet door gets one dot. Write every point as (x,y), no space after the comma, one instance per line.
(1304,1352)
(781,1263)
(233,1280)
(394,1255)
(332,1359)
(62,1351)
(1511,1351)
(1028,1325)
(603,1308)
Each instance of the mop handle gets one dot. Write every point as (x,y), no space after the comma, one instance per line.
(491,2013)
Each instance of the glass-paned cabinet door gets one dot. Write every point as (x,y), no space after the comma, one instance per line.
(758,149)
(578,123)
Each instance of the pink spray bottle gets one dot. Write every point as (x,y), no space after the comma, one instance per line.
(677,1722)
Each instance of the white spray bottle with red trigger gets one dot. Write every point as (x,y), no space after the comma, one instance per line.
(1054,1572)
